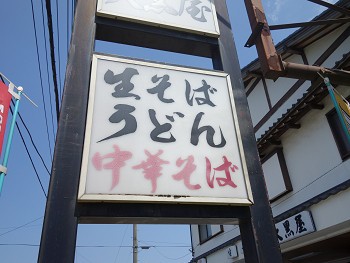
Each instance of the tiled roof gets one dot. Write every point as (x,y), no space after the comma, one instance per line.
(310,100)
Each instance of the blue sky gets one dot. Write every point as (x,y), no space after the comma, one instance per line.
(22,201)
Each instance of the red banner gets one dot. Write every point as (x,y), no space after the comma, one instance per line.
(5,99)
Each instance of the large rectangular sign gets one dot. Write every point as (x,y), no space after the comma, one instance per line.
(197,16)
(161,133)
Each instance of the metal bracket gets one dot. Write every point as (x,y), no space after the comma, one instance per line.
(3,169)
(255,33)
(12,92)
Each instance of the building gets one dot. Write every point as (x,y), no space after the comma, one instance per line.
(304,153)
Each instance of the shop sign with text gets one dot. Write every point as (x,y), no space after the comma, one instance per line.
(161,133)
(197,16)
(295,226)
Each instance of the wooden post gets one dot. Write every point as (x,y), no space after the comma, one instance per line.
(58,239)
(258,234)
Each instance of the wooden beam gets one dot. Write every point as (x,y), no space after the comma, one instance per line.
(271,63)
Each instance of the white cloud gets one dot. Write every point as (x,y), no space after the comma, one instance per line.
(273,9)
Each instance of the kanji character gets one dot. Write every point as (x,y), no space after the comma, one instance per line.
(161,87)
(152,167)
(193,10)
(197,131)
(123,113)
(279,237)
(122,90)
(172,119)
(186,172)
(225,167)
(159,129)
(205,89)
(300,224)
(289,232)
(118,161)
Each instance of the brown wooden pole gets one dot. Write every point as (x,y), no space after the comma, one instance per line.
(271,63)
(259,237)
(58,239)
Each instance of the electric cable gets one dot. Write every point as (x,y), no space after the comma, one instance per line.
(52,53)
(169,257)
(3,228)
(116,257)
(30,157)
(21,226)
(86,259)
(31,139)
(47,69)
(58,50)
(41,81)
(313,181)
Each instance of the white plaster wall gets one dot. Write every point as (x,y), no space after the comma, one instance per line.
(337,55)
(230,231)
(313,160)
(273,177)
(314,50)
(257,102)
(283,109)
(332,211)
(221,256)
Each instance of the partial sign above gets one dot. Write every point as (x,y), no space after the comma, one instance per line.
(161,133)
(193,16)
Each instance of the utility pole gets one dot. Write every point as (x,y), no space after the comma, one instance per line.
(134,243)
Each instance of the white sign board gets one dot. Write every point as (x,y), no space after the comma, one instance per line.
(197,16)
(232,252)
(295,226)
(160,133)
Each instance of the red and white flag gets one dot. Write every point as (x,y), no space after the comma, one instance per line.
(5,99)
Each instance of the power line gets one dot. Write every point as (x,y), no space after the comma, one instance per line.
(169,257)
(116,257)
(30,158)
(21,226)
(41,81)
(52,53)
(58,49)
(31,139)
(47,67)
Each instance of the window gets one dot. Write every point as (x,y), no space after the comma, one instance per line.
(206,232)
(276,174)
(339,134)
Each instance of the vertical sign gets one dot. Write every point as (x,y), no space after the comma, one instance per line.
(5,99)
(192,16)
(344,107)
(161,133)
